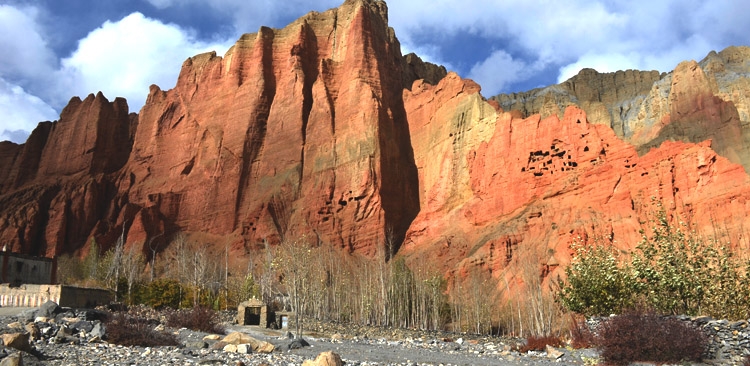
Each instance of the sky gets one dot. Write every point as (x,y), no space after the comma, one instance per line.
(52,50)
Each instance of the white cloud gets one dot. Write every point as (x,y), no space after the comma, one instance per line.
(563,37)
(600,62)
(498,71)
(120,58)
(21,112)
(248,16)
(26,58)
(123,58)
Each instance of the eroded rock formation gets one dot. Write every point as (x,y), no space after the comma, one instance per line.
(297,131)
(498,190)
(693,103)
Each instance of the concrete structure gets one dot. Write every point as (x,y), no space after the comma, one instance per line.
(253,312)
(16,269)
(284,319)
(67,296)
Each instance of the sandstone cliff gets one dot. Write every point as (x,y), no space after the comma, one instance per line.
(323,129)
(693,103)
(296,131)
(498,191)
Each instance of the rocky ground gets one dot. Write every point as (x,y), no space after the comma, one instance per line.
(73,338)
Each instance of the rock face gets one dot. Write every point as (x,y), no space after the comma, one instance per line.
(322,131)
(695,102)
(297,131)
(498,191)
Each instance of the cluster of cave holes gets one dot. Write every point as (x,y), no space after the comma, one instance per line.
(551,160)
(629,165)
(335,206)
(248,228)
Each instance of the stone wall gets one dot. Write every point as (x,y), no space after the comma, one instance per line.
(729,340)
(67,296)
(18,269)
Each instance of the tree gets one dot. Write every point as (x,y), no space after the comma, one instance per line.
(294,257)
(597,284)
(133,265)
(113,259)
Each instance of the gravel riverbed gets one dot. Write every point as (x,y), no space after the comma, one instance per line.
(355,345)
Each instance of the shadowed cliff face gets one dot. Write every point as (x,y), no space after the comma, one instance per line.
(323,129)
(297,131)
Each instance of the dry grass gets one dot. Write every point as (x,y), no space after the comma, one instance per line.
(126,330)
(198,318)
(540,343)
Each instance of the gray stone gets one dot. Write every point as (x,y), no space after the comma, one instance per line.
(297,344)
(196,345)
(49,309)
(82,325)
(98,330)
(27,315)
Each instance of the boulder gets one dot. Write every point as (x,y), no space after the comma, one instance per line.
(553,352)
(98,330)
(236,338)
(15,359)
(33,330)
(49,309)
(19,341)
(232,348)
(82,325)
(327,358)
(261,346)
(297,343)
(244,348)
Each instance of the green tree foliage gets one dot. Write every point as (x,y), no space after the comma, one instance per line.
(163,293)
(672,271)
(598,284)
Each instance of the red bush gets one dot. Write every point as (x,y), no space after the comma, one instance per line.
(128,330)
(198,318)
(582,336)
(540,343)
(649,337)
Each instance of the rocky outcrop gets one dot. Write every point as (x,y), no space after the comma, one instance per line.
(298,131)
(294,132)
(611,99)
(694,103)
(498,191)
(60,183)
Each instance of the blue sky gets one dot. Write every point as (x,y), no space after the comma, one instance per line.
(51,50)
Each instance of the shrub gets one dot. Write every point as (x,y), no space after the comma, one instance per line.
(597,283)
(649,337)
(540,343)
(126,330)
(581,335)
(673,271)
(163,293)
(198,318)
